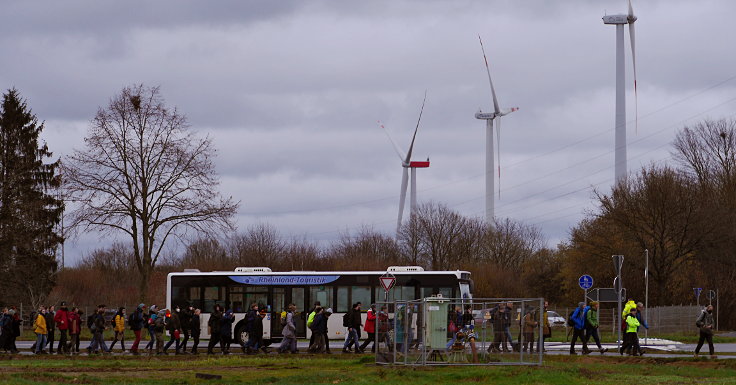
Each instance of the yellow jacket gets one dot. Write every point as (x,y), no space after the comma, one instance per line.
(632,324)
(627,309)
(39,325)
(119,323)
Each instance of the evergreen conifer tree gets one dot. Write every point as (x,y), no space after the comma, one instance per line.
(30,210)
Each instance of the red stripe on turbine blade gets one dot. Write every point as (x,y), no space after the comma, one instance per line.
(419,164)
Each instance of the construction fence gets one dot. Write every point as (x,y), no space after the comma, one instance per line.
(449,331)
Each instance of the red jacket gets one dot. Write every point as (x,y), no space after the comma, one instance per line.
(61,319)
(75,323)
(370,322)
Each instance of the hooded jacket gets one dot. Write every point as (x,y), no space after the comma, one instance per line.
(62,319)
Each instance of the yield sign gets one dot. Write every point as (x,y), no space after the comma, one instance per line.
(387,281)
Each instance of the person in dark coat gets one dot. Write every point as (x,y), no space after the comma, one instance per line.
(174,327)
(226,331)
(50,314)
(214,325)
(354,323)
(250,319)
(196,329)
(257,333)
(185,316)
(137,322)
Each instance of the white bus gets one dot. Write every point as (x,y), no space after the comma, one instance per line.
(238,289)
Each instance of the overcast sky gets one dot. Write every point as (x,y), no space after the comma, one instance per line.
(291,92)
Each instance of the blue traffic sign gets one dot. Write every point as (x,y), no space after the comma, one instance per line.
(585,282)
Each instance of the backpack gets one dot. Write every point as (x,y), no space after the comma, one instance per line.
(570,320)
(159,324)
(283,320)
(91,322)
(346,320)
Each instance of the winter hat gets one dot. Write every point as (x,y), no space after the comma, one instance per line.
(581,304)
(154,307)
(329,310)
(142,305)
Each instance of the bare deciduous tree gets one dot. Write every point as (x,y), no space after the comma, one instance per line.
(659,210)
(145,174)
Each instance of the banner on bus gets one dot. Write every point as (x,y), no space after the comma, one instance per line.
(284,279)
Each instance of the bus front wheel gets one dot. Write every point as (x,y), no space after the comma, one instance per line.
(241,335)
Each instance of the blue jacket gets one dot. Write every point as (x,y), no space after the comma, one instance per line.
(578,317)
(641,320)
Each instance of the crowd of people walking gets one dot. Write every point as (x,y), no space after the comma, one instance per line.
(184,327)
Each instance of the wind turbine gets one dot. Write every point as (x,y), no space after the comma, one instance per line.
(490,117)
(620,150)
(408,164)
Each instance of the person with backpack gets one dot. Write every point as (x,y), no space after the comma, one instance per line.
(75,327)
(98,329)
(118,326)
(173,325)
(318,327)
(289,332)
(39,327)
(214,325)
(353,321)
(310,319)
(150,319)
(591,326)
(135,322)
(577,321)
(196,329)
(705,324)
(61,319)
(159,326)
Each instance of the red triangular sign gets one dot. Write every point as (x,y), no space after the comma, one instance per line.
(387,282)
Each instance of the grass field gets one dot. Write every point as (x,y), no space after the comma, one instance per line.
(345,369)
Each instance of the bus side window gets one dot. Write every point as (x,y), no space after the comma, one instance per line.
(446,292)
(342,299)
(362,294)
(212,295)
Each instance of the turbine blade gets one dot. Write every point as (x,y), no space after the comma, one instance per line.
(632,36)
(498,152)
(396,146)
(402,197)
(411,146)
(488,70)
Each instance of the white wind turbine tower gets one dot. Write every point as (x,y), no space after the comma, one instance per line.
(619,21)
(490,117)
(407,164)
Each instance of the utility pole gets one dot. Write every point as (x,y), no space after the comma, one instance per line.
(646,294)
(618,262)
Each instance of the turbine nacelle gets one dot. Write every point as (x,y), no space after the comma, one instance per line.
(492,115)
(618,19)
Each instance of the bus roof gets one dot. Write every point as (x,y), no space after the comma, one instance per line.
(457,273)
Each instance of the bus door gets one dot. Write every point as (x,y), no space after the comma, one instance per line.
(278,304)
(299,298)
